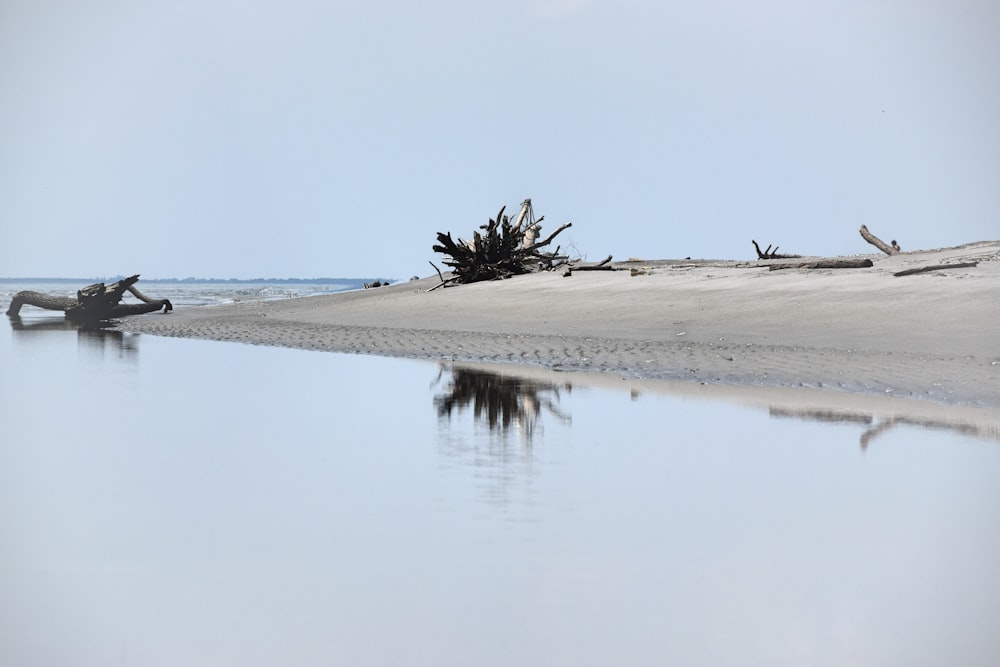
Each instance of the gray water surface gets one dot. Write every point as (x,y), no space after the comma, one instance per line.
(180,502)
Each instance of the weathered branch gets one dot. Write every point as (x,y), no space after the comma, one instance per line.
(603,265)
(548,239)
(936,267)
(142,297)
(825,264)
(879,243)
(770,254)
(39,300)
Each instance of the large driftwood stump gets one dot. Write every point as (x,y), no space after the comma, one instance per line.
(97,302)
(504,249)
(879,243)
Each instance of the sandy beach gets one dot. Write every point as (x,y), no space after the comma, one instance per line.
(933,336)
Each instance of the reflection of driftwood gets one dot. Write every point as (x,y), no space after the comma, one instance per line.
(936,267)
(500,252)
(879,429)
(770,254)
(93,303)
(56,324)
(499,400)
(825,264)
(831,416)
(879,243)
(96,336)
(867,419)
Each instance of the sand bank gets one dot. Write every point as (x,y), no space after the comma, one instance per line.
(932,336)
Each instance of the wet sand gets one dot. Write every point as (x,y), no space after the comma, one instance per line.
(933,336)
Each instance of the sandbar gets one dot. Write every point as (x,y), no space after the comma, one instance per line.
(932,336)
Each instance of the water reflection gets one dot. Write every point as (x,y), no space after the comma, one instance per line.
(48,324)
(511,409)
(926,424)
(501,401)
(507,402)
(878,426)
(94,338)
(281,508)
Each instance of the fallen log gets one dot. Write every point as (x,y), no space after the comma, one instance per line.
(94,303)
(879,243)
(825,264)
(936,267)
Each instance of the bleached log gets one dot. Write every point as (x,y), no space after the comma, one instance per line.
(825,264)
(879,243)
(936,267)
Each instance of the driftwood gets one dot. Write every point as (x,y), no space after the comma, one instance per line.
(603,265)
(97,302)
(504,249)
(879,243)
(825,264)
(444,281)
(770,254)
(936,267)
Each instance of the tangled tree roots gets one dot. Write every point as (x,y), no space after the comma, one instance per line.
(98,302)
(504,249)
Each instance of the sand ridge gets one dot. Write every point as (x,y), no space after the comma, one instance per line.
(931,336)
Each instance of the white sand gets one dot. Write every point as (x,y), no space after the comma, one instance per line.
(932,336)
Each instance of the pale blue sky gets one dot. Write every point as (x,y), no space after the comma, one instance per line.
(298,138)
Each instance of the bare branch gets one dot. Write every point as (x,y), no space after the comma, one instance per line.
(879,243)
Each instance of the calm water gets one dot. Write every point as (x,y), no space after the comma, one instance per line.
(181,502)
(188,292)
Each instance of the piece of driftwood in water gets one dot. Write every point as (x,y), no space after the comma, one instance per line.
(825,264)
(770,254)
(500,251)
(95,302)
(936,267)
(879,243)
